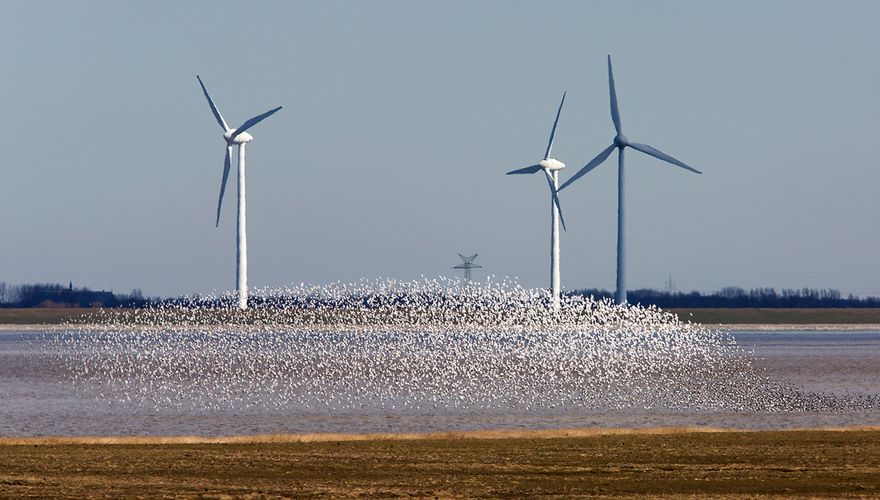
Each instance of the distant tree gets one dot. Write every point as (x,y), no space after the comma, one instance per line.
(732,296)
(732,292)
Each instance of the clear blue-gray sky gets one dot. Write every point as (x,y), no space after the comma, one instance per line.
(400,121)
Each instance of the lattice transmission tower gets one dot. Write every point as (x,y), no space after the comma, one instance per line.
(467,264)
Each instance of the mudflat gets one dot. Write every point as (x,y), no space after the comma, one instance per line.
(677,463)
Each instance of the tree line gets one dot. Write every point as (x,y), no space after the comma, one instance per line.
(57,295)
(732,296)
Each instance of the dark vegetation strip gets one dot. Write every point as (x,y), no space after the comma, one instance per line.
(50,295)
(734,297)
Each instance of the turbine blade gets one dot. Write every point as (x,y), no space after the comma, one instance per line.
(555,122)
(595,162)
(648,150)
(214,109)
(226,165)
(615,112)
(255,120)
(555,195)
(531,169)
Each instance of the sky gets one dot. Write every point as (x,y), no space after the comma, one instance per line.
(399,122)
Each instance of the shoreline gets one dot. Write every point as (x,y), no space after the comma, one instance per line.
(487,435)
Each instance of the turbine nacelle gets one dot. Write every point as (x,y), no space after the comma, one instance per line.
(551,164)
(241,138)
(621,141)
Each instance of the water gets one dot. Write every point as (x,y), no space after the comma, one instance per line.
(39,396)
(826,362)
(389,356)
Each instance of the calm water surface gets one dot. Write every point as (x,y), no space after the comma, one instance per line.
(37,398)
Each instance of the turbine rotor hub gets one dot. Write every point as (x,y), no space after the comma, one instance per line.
(621,141)
(241,138)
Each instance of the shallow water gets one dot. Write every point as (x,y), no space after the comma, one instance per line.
(38,397)
(827,362)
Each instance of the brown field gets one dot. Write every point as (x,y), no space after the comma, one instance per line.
(834,316)
(796,464)
(40,315)
(733,316)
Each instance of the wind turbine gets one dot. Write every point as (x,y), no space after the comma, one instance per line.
(551,168)
(621,142)
(236,137)
(467,263)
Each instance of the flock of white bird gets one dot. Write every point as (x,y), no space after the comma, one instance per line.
(432,346)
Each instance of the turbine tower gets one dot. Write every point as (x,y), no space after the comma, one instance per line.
(620,143)
(468,264)
(236,137)
(551,168)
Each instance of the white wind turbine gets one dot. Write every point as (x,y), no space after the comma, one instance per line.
(620,143)
(551,168)
(240,137)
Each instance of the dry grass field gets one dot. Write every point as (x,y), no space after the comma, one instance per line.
(795,464)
